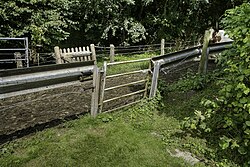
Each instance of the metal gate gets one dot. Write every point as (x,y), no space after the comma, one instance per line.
(132,81)
(18,57)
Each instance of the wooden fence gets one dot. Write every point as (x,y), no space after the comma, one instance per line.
(77,54)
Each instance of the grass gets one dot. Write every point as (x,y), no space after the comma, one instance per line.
(122,68)
(139,136)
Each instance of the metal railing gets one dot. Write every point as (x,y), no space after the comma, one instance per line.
(27,80)
(180,56)
(25,49)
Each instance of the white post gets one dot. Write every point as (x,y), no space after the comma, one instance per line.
(58,55)
(112,53)
(162,47)
(92,48)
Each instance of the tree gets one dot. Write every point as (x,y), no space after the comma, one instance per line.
(107,22)
(43,21)
(145,21)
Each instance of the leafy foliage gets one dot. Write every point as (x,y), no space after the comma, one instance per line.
(43,21)
(227,117)
(190,82)
(120,22)
(125,22)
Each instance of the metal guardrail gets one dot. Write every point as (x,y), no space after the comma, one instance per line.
(190,53)
(183,55)
(15,82)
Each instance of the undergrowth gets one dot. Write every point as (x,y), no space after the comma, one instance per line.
(184,100)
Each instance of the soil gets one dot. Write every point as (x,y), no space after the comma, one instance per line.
(23,112)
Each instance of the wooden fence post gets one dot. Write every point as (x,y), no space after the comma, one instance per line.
(204,53)
(102,87)
(19,63)
(58,55)
(92,49)
(112,53)
(162,46)
(95,92)
(155,79)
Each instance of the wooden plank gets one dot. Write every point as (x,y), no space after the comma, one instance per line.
(112,53)
(155,79)
(124,85)
(204,53)
(85,57)
(89,56)
(95,92)
(80,50)
(129,61)
(103,80)
(162,47)
(58,55)
(126,95)
(18,58)
(128,73)
(124,106)
(73,59)
(64,53)
(92,48)
(77,58)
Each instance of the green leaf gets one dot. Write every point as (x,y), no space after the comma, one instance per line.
(243,100)
(248,123)
(247,131)
(242,150)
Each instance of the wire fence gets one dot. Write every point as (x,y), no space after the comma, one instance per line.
(105,51)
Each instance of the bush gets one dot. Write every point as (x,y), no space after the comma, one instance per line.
(227,117)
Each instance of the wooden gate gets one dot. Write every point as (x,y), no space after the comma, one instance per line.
(129,86)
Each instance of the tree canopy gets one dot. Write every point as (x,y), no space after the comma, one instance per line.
(120,22)
(43,21)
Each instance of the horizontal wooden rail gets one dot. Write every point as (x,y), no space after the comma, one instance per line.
(128,73)
(124,85)
(126,95)
(129,61)
(126,105)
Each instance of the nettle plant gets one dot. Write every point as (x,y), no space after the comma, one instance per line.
(227,117)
